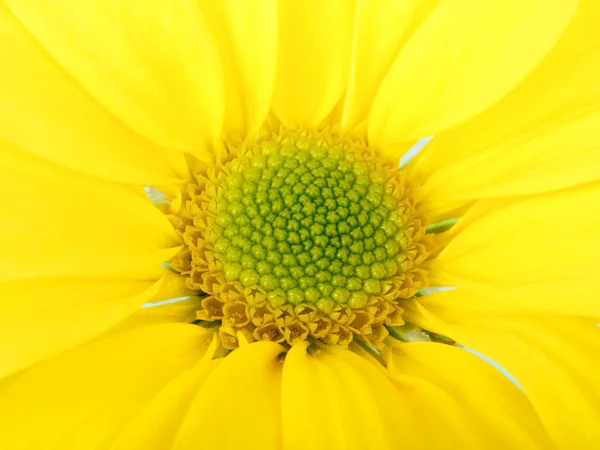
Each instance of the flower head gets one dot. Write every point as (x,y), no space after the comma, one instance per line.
(210,241)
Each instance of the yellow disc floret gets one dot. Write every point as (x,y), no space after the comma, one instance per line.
(301,236)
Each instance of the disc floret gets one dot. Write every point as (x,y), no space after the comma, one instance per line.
(301,235)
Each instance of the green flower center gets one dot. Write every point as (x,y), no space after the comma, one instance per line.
(301,235)
(308,225)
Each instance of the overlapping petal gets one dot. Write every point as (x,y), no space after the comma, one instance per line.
(537,254)
(153,64)
(315,41)
(463,58)
(45,112)
(380,28)
(468,402)
(83,399)
(60,223)
(239,404)
(339,400)
(560,156)
(246,36)
(79,254)
(156,426)
(41,318)
(541,136)
(552,357)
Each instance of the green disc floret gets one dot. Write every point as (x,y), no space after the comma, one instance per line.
(308,226)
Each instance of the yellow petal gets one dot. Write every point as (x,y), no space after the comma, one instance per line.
(562,90)
(554,359)
(463,58)
(468,402)
(380,30)
(156,426)
(79,255)
(560,156)
(538,254)
(437,410)
(338,400)
(246,35)
(177,312)
(180,311)
(46,113)
(61,223)
(174,286)
(238,405)
(315,41)
(43,317)
(152,63)
(168,305)
(82,399)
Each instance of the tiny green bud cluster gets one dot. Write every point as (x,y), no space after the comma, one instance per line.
(312,225)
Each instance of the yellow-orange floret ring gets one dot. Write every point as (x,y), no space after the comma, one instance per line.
(302,236)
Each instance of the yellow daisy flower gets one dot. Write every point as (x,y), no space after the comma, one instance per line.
(326,299)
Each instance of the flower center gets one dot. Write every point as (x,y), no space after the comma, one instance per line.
(302,235)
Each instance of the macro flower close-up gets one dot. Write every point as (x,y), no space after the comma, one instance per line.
(299,224)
